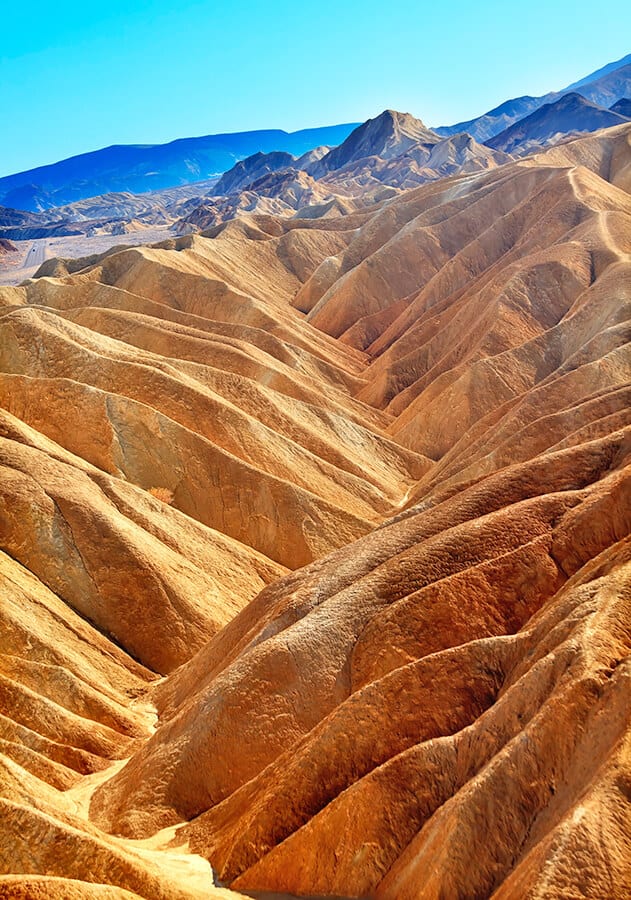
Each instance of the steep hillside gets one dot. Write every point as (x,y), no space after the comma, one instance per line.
(384,155)
(416,164)
(7,246)
(315,546)
(484,127)
(609,88)
(248,170)
(622,107)
(603,87)
(388,135)
(570,113)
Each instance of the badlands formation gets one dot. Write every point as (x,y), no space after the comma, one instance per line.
(316,554)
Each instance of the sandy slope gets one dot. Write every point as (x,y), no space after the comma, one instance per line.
(379,643)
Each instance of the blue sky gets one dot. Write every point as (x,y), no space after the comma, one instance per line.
(76,76)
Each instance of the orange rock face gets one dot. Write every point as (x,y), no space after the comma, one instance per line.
(378,643)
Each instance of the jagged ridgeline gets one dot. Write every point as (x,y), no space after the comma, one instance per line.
(315,560)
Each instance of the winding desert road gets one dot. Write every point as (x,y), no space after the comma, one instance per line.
(35,255)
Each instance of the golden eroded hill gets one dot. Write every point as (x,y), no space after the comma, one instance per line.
(377,643)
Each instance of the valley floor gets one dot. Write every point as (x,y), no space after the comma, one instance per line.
(17,267)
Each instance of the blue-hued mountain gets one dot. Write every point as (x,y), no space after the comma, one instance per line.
(387,136)
(623,107)
(248,170)
(146,167)
(393,151)
(571,113)
(603,87)
(599,73)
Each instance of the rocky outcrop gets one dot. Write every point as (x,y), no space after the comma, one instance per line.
(388,135)
(248,170)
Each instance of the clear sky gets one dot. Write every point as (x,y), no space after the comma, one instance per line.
(76,75)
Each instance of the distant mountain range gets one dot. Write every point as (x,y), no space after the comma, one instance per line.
(603,87)
(140,168)
(392,152)
(570,113)
(210,179)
